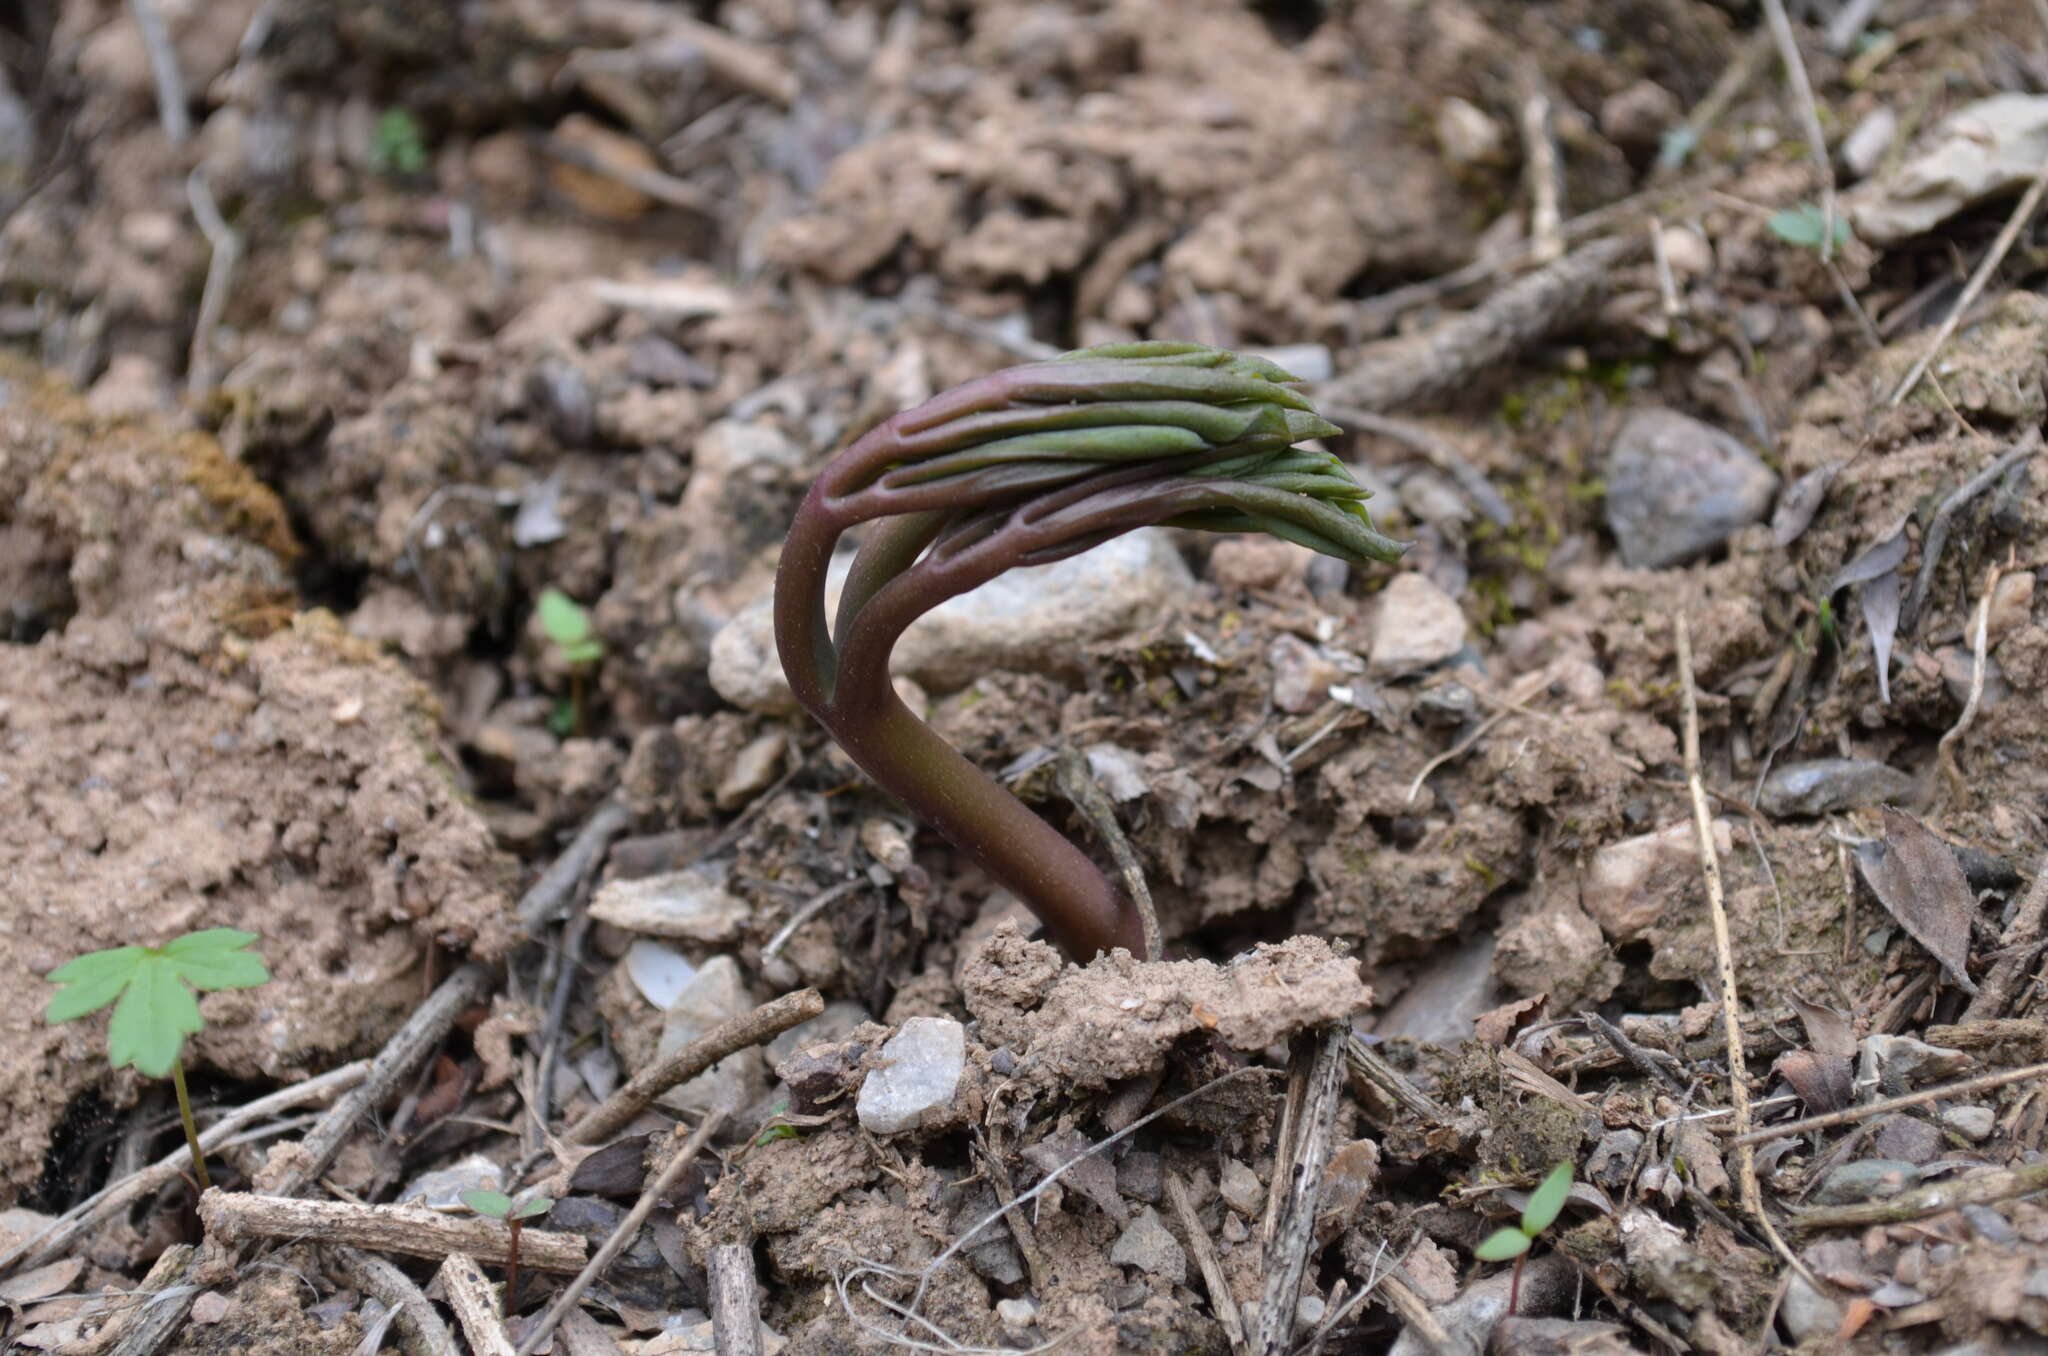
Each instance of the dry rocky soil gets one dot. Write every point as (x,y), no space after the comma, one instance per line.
(317,376)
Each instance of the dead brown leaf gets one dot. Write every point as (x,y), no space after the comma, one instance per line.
(1914,875)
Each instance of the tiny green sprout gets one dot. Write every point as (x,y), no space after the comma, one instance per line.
(1806,225)
(397,146)
(497,1205)
(1514,1242)
(156,1010)
(576,644)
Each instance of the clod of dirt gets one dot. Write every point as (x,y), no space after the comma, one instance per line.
(1118,1017)
(183,752)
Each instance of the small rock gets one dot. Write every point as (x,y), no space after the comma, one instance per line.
(1897,1064)
(921,1071)
(683,904)
(1825,785)
(1864,148)
(817,1077)
(2012,605)
(1016,1315)
(1141,1176)
(1677,488)
(1959,674)
(1301,676)
(1808,1313)
(1613,1160)
(1147,1245)
(753,768)
(1025,621)
(1985,148)
(1688,251)
(562,394)
(606,196)
(1636,116)
(1257,564)
(1449,992)
(1418,625)
(1872,1179)
(1973,1123)
(715,996)
(1908,1139)
(442,1190)
(132,384)
(1445,706)
(1467,135)
(1120,772)
(1628,886)
(1241,1189)
(659,361)
(659,972)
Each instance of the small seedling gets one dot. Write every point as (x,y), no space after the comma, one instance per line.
(1807,225)
(1516,1240)
(497,1205)
(157,1009)
(1023,467)
(576,644)
(397,145)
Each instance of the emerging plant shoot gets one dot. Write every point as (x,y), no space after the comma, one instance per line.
(1027,466)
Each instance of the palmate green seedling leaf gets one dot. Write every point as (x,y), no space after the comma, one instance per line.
(1503,1245)
(1548,1200)
(494,1204)
(156,1009)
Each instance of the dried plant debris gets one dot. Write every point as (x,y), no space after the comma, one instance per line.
(1915,876)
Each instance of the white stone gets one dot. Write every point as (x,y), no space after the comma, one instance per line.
(1240,1188)
(1028,621)
(1016,1314)
(682,904)
(1973,1123)
(1418,625)
(915,1085)
(753,769)
(658,972)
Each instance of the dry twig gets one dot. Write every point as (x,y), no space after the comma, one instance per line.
(416,1231)
(1998,1185)
(1968,1086)
(735,1302)
(475,1305)
(1204,1248)
(2016,950)
(163,71)
(1809,116)
(220,272)
(1936,541)
(764,1023)
(420,1328)
(1944,752)
(625,1232)
(1314,1077)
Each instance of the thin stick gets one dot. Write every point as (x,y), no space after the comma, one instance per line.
(2014,224)
(1221,1302)
(1724,953)
(1809,115)
(764,1023)
(414,1230)
(1983,1189)
(411,1043)
(419,1326)
(1077,782)
(1981,1083)
(1320,1057)
(88,1214)
(735,1301)
(220,272)
(475,1306)
(1944,752)
(627,1229)
(1544,172)
(807,913)
(163,72)
(154,1321)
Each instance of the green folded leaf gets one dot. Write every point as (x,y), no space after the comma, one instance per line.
(1502,1245)
(1548,1200)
